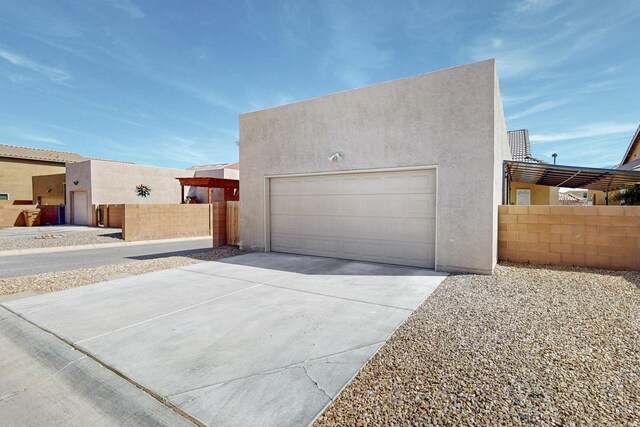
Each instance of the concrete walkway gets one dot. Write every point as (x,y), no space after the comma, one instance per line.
(44,381)
(260,339)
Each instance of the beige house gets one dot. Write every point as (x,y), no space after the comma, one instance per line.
(32,174)
(631,159)
(406,172)
(523,193)
(96,182)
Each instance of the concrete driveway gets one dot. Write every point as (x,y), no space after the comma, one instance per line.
(259,339)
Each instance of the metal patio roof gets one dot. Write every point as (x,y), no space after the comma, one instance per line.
(570,176)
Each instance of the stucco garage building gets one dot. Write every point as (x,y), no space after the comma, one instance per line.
(417,178)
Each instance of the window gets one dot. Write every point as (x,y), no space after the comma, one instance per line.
(523,196)
(4,196)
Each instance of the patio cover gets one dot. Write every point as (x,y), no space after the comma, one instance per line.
(570,176)
(210,183)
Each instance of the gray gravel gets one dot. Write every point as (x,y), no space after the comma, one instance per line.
(49,282)
(526,346)
(55,239)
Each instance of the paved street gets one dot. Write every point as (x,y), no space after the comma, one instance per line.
(12,232)
(22,265)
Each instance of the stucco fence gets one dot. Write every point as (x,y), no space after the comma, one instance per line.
(151,222)
(587,236)
(12,215)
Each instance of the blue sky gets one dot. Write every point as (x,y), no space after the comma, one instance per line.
(162,83)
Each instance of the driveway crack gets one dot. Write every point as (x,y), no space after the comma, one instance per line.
(315,382)
(39,383)
(275,370)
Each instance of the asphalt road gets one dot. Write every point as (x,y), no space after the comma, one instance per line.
(22,265)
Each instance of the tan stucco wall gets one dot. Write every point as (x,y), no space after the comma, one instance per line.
(115,183)
(540,194)
(601,195)
(448,118)
(11,215)
(502,151)
(50,188)
(16,176)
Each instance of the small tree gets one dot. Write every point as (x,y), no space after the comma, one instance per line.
(629,195)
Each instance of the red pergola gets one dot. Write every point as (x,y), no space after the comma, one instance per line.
(231,186)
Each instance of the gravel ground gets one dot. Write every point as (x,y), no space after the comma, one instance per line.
(526,346)
(49,282)
(53,239)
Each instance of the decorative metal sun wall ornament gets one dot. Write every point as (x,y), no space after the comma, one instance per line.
(143,190)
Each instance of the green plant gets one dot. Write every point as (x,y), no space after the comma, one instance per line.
(629,195)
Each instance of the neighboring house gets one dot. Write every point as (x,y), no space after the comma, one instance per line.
(586,197)
(631,159)
(573,197)
(224,170)
(100,182)
(19,166)
(523,193)
(97,182)
(406,172)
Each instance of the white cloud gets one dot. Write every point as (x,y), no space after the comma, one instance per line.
(590,131)
(543,106)
(128,6)
(613,69)
(533,5)
(38,138)
(515,100)
(56,75)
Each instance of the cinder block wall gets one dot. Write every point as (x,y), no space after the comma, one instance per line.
(588,236)
(149,222)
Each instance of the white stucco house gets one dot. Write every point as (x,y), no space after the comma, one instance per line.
(406,172)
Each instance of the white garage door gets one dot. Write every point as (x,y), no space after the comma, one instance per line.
(387,217)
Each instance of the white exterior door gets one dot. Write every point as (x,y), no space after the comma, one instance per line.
(523,197)
(80,210)
(387,217)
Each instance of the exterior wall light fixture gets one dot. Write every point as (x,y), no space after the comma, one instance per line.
(335,157)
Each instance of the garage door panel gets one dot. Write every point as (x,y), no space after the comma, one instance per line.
(419,230)
(380,217)
(349,184)
(403,253)
(374,205)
